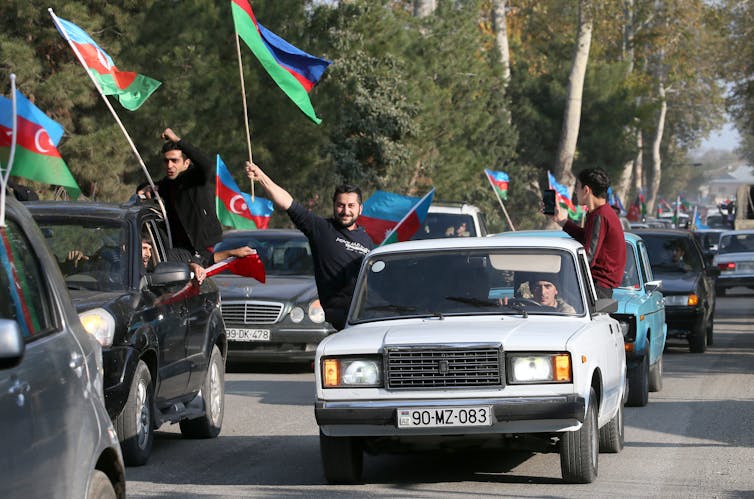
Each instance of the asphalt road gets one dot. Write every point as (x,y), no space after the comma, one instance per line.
(694,439)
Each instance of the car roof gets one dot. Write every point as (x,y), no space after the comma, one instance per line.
(87,209)
(735,232)
(662,232)
(628,236)
(463,243)
(240,233)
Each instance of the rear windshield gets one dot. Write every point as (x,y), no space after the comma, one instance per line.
(736,243)
(439,225)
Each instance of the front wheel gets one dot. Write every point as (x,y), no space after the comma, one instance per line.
(612,436)
(134,425)
(638,383)
(655,376)
(698,339)
(342,459)
(213,397)
(579,450)
(100,487)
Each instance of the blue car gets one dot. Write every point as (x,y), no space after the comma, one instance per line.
(641,314)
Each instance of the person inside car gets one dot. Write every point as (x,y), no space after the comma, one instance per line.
(545,291)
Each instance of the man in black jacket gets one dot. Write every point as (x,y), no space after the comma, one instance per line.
(188,191)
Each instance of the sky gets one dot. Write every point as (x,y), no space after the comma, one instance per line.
(726,138)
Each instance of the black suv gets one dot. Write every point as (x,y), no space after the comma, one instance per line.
(162,335)
(688,284)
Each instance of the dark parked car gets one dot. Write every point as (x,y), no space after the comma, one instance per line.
(162,335)
(709,240)
(281,320)
(58,440)
(688,285)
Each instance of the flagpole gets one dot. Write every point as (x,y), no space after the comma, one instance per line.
(117,119)
(14,133)
(405,217)
(245,109)
(500,200)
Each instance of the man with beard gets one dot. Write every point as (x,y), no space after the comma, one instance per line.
(338,244)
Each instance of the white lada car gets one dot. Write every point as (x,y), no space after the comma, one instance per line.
(473,341)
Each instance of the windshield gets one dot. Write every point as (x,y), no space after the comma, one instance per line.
(439,225)
(736,243)
(672,254)
(630,272)
(91,256)
(468,282)
(281,254)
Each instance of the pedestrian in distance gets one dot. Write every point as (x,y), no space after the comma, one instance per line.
(338,243)
(602,234)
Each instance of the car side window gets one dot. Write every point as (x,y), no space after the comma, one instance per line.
(591,294)
(644,268)
(24,295)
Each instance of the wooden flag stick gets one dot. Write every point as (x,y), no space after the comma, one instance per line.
(500,200)
(245,109)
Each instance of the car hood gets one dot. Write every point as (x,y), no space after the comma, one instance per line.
(514,333)
(292,288)
(628,299)
(678,283)
(86,300)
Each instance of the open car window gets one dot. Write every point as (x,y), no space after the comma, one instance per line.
(469,282)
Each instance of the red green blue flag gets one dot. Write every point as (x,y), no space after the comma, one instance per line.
(564,198)
(389,217)
(499,181)
(294,71)
(131,89)
(235,208)
(37,136)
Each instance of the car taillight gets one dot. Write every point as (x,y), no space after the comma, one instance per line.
(727,266)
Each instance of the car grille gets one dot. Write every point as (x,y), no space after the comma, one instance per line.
(252,312)
(443,367)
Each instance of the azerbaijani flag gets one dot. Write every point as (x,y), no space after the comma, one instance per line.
(131,89)
(235,208)
(387,215)
(36,157)
(564,198)
(499,181)
(294,71)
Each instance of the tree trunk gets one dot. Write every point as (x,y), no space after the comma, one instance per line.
(656,158)
(501,36)
(424,8)
(572,115)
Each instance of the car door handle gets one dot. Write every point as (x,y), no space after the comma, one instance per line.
(77,363)
(19,390)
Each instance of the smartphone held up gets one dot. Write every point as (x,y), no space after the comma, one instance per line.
(548,202)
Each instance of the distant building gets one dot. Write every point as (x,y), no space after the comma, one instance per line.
(722,188)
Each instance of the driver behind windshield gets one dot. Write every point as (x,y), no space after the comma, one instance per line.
(545,291)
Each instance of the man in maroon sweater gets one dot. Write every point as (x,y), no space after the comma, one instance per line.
(602,234)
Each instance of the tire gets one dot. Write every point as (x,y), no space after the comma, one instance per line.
(579,450)
(612,435)
(213,397)
(100,487)
(698,339)
(134,425)
(638,383)
(710,328)
(655,376)
(342,459)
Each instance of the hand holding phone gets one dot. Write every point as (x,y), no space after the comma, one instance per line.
(548,201)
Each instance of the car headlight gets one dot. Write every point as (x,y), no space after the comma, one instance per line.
(539,367)
(347,372)
(691,300)
(99,323)
(297,314)
(316,312)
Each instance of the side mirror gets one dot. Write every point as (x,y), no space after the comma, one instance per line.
(652,286)
(606,306)
(12,344)
(169,273)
